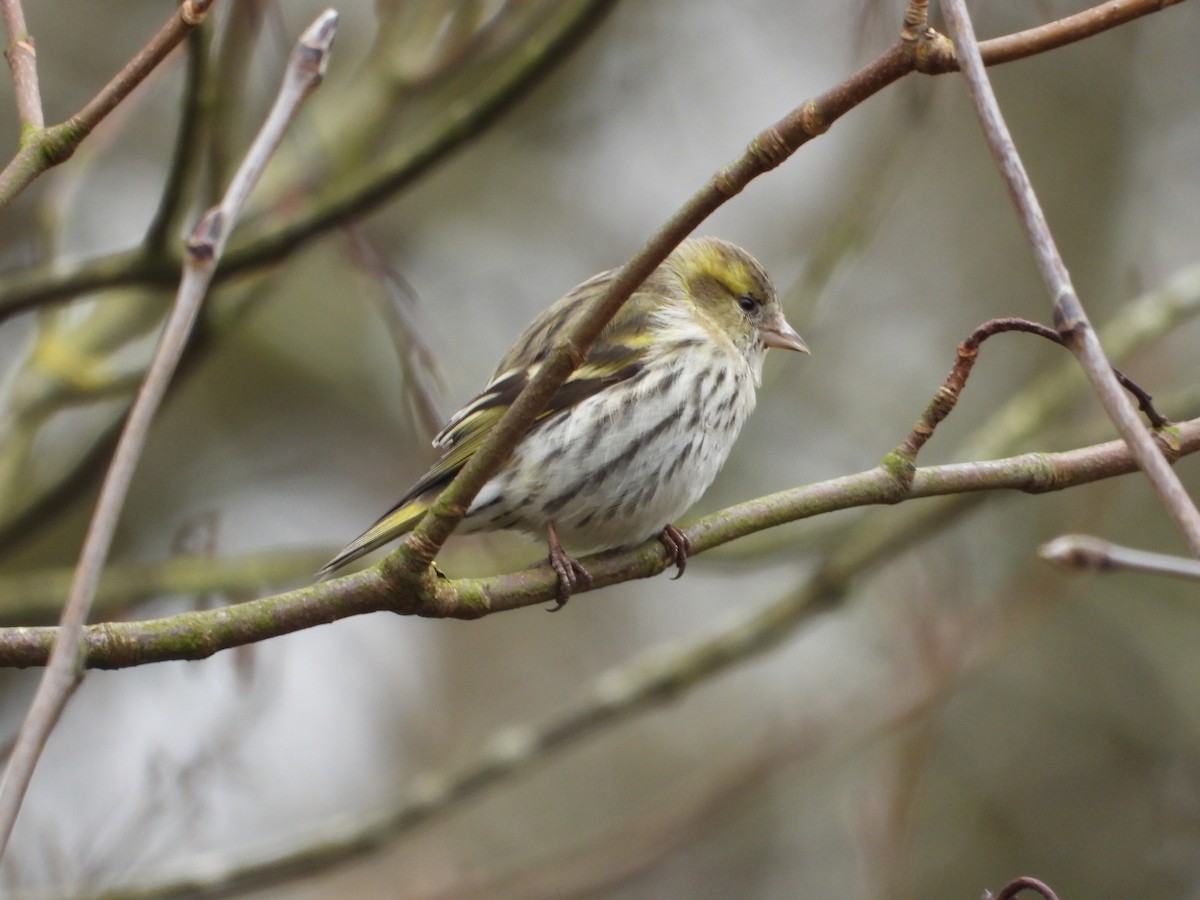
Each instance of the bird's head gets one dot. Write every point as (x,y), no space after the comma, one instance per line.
(730,289)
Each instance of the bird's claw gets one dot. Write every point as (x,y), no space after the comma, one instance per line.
(679,547)
(571,574)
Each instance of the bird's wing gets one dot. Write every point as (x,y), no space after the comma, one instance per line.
(620,353)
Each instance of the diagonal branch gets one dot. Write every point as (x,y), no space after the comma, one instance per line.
(1069,315)
(66,659)
(946,397)
(47,147)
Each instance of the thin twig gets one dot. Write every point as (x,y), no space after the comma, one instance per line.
(66,660)
(1083,553)
(1139,323)
(195,120)
(1074,28)
(22,59)
(1069,315)
(400,309)
(932,54)
(56,143)
(946,397)
(200,634)
(1017,885)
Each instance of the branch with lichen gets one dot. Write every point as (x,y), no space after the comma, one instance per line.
(921,51)
(954,645)
(200,634)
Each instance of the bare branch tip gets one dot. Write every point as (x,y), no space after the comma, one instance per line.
(194,12)
(1077,552)
(312,50)
(320,33)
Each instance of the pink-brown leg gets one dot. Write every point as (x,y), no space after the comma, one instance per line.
(571,573)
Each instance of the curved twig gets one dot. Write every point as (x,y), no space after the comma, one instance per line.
(946,397)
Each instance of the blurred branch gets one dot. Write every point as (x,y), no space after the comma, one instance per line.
(194,121)
(400,311)
(200,634)
(839,99)
(22,60)
(360,188)
(266,244)
(37,596)
(44,148)
(241,30)
(1070,317)
(116,332)
(64,669)
(1069,30)
(1082,553)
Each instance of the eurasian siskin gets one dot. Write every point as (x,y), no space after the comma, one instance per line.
(636,434)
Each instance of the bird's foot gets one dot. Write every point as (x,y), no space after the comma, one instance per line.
(678,546)
(571,572)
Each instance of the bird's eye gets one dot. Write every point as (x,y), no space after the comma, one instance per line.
(747,303)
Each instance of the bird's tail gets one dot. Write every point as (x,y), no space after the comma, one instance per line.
(391,526)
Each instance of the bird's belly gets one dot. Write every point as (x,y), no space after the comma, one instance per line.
(613,470)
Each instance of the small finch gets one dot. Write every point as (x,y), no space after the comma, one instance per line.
(636,434)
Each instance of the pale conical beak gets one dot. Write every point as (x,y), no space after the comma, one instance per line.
(778,333)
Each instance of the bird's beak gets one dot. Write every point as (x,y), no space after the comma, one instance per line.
(776,332)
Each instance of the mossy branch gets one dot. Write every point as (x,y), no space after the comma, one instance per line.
(200,634)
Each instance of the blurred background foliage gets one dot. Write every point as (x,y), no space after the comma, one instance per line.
(968,716)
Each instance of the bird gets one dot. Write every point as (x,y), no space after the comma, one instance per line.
(636,433)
